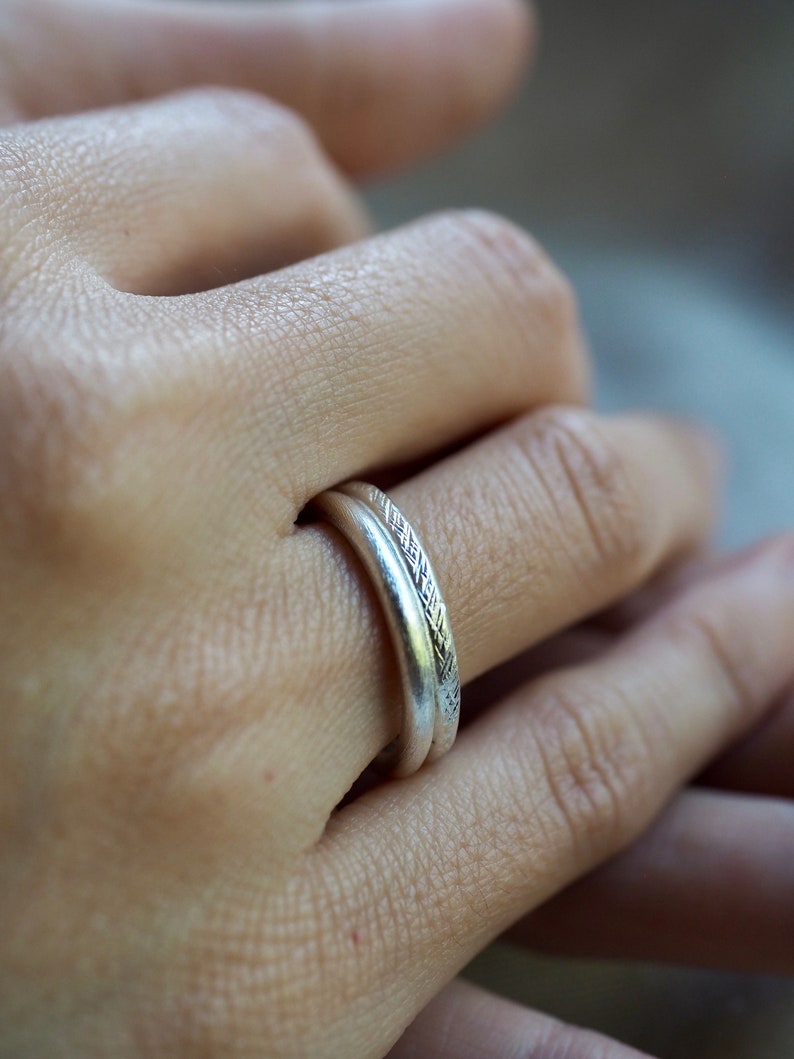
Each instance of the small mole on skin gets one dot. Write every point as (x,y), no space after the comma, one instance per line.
(268,775)
(356,937)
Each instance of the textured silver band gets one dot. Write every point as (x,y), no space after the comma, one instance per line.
(416,615)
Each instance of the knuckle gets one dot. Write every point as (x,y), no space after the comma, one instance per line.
(260,121)
(509,253)
(579,461)
(532,295)
(69,474)
(295,139)
(505,252)
(230,106)
(595,765)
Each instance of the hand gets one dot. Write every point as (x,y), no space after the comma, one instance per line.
(190,684)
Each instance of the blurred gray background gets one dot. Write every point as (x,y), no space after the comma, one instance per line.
(652,152)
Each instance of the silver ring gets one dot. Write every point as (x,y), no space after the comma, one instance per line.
(406,586)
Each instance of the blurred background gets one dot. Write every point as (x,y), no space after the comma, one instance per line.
(652,152)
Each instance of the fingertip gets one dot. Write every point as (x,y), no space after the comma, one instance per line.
(499,39)
(497,44)
(700,462)
(451,66)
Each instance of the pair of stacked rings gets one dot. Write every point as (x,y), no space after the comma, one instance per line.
(403,579)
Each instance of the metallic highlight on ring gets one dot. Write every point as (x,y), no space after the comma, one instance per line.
(417,616)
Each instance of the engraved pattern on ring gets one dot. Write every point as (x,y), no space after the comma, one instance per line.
(434,607)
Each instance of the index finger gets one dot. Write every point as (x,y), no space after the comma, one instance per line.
(382,83)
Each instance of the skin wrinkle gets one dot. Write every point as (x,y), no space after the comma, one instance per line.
(584,761)
(603,492)
(505,589)
(440,873)
(31,252)
(43,171)
(512,256)
(532,280)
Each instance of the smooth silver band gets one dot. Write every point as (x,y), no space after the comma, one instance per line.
(416,615)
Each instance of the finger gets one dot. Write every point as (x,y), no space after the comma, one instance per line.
(528,530)
(543,522)
(466,1022)
(571,647)
(653,594)
(586,508)
(711,884)
(551,783)
(590,638)
(394,348)
(759,762)
(186,192)
(382,83)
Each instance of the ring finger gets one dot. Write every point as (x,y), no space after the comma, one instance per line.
(532,528)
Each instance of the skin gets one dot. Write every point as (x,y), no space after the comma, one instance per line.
(197,336)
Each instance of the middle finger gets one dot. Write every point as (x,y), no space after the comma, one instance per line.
(393,349)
